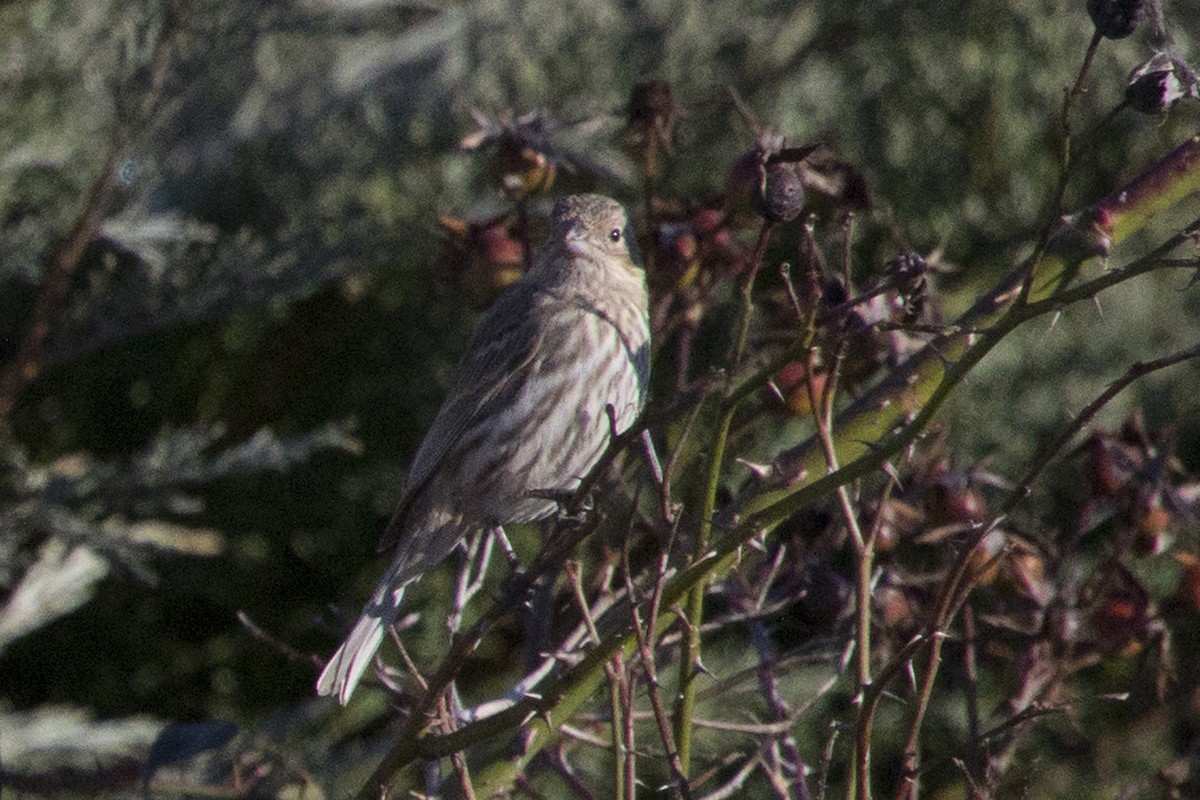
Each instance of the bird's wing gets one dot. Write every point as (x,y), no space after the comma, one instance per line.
(498,357)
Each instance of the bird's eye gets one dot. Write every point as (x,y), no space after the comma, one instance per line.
(614,235)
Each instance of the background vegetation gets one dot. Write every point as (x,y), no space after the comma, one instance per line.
(241,246)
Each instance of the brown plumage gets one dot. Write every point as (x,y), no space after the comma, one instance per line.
(525,416)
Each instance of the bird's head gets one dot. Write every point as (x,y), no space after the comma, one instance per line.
(590,229)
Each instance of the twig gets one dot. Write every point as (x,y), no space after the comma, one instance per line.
(459,762)
(627,738)
(734,785)
(461,646)
(864,546)
(644,635)
(660,478)
(781,754)
(847,228)
(469,582)
(276,643)
(1064,165)
(52,296)
(524,688)
(975,763)
(788,760)
(1065,122)
(827,760)
(1045,454)
(409,664)
(617,686)
(1027,715)
(558,758)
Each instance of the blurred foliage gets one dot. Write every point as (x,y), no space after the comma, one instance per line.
(264,324)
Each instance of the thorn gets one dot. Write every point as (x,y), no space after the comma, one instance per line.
(775,390)
(760,471)
(890,470)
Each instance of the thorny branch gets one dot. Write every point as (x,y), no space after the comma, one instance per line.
(956,348)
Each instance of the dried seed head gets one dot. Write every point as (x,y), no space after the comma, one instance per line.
(1116,19)
(651,107)
(521,169)
(524,159)
(1160,83)
(770,177)
(779,196)
(909,273)
(650,122)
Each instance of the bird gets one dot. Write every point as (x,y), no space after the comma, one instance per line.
(559,362)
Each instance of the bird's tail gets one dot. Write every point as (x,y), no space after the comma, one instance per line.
(346,666)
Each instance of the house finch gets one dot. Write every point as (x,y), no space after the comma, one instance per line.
(526,416)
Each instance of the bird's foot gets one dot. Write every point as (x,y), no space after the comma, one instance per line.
(515,567)
(577,517)
(565,499)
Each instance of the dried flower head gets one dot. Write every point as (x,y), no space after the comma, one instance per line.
(779,191)
(650,122)
(909,273)
(1160,83)
(1116,19)
(524,159)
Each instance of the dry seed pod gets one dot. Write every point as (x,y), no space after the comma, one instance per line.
(779,195)
(1116,19)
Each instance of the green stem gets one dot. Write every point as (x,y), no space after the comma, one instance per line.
(616,728)
(689,661)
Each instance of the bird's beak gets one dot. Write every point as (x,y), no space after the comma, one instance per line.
(576,244)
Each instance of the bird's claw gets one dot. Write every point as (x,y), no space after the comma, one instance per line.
(515,567)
